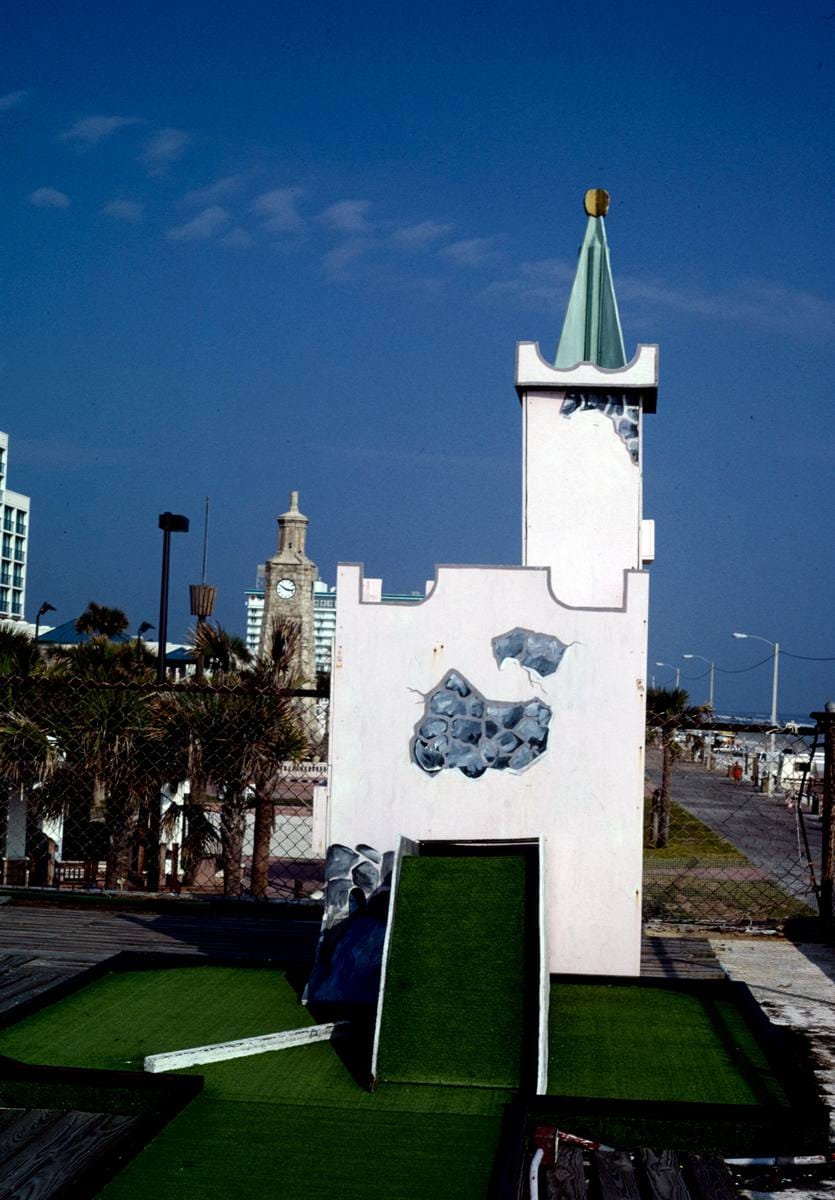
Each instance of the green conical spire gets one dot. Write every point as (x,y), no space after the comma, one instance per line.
(591,331)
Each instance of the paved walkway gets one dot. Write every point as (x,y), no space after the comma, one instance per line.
(795,986)
(761,827)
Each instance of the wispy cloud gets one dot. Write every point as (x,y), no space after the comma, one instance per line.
(125,210)
(470,252)
(340,262)
(90,131)
(205,225)
(163,149)
(221,189)
(237,238)
(758,303)
(755,302)
(279,209)
(417,237)
(542,283)
(48,197)
(349,217)
(13,100)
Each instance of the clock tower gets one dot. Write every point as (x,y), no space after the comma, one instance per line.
(288,589)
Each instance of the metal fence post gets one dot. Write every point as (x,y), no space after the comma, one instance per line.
(826,726)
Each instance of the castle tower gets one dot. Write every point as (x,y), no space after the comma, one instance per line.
(288,588)
(582,418)
(471,715)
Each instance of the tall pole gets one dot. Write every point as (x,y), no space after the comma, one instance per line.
(772,754)
(826,726)
(169,523)
(205,539)
(712,666)
(162,628)
(772,741)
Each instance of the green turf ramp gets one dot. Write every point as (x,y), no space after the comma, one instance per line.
(453,1002)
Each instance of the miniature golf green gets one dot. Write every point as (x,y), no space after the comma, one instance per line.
(453,1006)
(282,1125)
(632,1042)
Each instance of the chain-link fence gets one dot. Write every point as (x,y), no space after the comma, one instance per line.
(212,789)
(743,842)
(186,787)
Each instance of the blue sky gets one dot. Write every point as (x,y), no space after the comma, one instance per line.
(257,247)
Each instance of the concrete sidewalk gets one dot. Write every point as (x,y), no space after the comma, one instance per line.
(761,827)
(795,986)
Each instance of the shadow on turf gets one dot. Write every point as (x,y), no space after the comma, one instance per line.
(259,933)
(355,1049)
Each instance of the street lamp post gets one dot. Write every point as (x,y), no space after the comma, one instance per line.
(775,646)
(712,668)
(42,611)
(672,668)
(169,523)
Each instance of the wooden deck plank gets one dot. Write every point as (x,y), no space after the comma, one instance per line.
(21,1127)
(58,1151)
(679,958)
(91,937)
(34,991)
(711,1179)
(616,1175)
(566,1180)
(664,1175)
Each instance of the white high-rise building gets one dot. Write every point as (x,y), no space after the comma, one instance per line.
(255,611)
(324,619)
(324,624)
(15,542)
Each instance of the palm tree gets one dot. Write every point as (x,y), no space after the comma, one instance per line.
(275,669)
(101,659)
(27,759)
(223,653)
(233,738)
(99,713)
(111,767)
(668,710)
(101,621)
(18,652)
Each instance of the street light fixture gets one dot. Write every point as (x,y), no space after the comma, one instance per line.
(672,668)
(42,611)
(702,658)
(775,646)
(169,523)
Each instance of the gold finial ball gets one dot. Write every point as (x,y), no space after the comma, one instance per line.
(596,202)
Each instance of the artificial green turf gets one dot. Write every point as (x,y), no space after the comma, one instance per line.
(116,1021)
(282,1125)
(216,1150)
(645,1043)
(453,1008)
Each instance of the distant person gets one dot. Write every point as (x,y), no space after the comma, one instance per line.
(736,773)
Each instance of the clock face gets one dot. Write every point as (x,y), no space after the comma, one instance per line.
(285,589)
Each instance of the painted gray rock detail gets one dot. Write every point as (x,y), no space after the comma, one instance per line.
(461,730)
(624,416)
(539,652)
(350,948)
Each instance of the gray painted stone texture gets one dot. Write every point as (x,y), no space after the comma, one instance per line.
(614,405)
(538,652)
(350,949)
(462,730)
